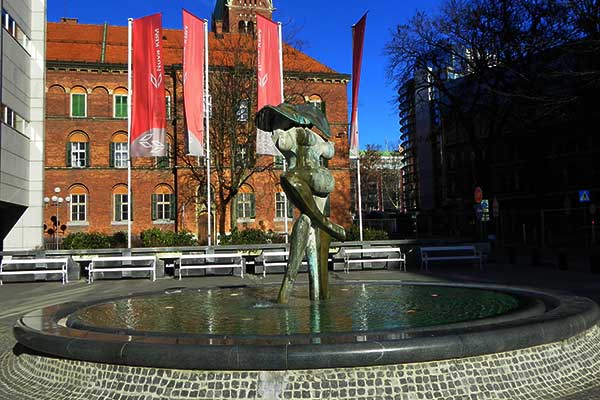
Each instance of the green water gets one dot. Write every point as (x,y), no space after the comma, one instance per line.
(252,311)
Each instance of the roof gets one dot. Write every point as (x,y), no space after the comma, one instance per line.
(83,43)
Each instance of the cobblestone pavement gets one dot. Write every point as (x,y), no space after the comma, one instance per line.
(18,298)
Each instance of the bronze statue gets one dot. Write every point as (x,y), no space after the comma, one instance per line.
(307,184)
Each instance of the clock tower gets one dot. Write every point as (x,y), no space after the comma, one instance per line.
(239,16)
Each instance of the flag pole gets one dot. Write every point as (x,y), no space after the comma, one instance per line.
(129,101)
(207,133)
(285,200)
(353,128)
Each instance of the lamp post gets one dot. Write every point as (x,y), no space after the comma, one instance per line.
(57,201)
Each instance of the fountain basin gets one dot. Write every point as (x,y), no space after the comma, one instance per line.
(83,331)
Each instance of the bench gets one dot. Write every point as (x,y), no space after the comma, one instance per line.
(281,259)
(445,253)
(210,261)
(34,262)
(377,251)
(96,265)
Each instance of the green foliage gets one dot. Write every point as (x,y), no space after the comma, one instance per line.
(252,236)
(353,234)
(84,240)
(157,238)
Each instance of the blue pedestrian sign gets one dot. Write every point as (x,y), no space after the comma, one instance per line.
(584,196)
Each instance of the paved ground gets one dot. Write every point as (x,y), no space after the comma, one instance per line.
(18,298)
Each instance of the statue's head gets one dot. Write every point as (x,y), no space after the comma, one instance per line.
(286,116)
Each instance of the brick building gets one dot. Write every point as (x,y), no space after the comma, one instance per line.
(86,133)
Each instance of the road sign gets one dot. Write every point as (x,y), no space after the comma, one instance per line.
(495,208)
(584,196)
(478,195)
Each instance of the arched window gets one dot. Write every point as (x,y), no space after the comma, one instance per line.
(119,150)
(163,204)
(245,204)
(317,102)
(120,203)
(79,197)
(78,102)
(250,28)
(120,103)
(242,26)
(78,150)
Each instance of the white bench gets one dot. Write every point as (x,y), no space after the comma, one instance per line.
(96,265)
(34,262)
(446,253)
(395,251)
(278,262)
(210,261)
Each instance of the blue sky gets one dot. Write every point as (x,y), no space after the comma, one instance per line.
(322,25)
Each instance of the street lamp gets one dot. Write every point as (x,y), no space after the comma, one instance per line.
(57,201)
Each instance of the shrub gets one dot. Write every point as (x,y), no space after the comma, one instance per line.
(85,240)
(157,238)
(118,240)
(353,234)
(252,236)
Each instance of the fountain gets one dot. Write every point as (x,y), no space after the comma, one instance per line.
(383,339)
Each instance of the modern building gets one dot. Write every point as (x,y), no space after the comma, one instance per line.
(22,130)
(86,122)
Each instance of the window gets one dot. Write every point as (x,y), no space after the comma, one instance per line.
(163,204)
(78,103)
(12,119)
(119,151)
(14,29)
(121,203)
(280,206)
(78,151)
(245,206)
(78,206)
(168,107)
(278,162)
(317,102)
(120,103)
(242,111)
(163,161)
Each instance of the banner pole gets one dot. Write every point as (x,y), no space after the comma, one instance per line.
(360,221)
(285,200)
(207,133)
(129,101)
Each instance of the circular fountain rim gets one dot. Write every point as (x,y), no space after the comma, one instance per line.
(45,331)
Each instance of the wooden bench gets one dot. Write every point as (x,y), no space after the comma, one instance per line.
(210,261)
(96,265)
(377,251)
(447,253)
(34,263)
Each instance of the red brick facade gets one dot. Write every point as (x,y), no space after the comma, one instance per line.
(79,62)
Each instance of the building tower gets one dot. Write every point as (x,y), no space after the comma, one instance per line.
(239,16)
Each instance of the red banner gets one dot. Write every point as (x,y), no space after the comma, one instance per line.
(358,36)
(194,52)
(269,76)
(148,120)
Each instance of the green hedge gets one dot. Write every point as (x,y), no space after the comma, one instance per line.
(251,236)
(157,238)
(353,234)
(91,240)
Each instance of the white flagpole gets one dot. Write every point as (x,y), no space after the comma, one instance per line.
(285,201)
(207,132)
(129,100)
(360,221)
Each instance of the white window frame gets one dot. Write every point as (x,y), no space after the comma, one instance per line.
(244,199)
(163,207)
(124,207)
(84,105)
(115,96)
(280,206)
(123,152)
(78,154)
(78,204)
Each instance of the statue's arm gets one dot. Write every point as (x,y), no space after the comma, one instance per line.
(327,150)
